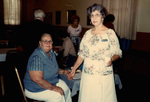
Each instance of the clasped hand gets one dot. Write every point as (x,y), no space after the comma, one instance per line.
(69,74)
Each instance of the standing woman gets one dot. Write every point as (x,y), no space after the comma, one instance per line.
(74,30)
(98,49)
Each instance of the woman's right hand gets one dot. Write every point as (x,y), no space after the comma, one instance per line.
(59,90)
(71,74)
(76,65)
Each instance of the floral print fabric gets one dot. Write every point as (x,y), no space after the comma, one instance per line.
(96,49)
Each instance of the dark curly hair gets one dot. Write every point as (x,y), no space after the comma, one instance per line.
(75,17)
(97,7)
(109,18)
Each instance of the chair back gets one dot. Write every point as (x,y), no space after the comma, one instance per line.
(13,58)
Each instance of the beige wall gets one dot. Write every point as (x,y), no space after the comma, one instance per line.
(63,5)
(143,16)
(81,5)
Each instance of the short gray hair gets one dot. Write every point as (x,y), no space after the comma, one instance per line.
(39,13)
(45,34)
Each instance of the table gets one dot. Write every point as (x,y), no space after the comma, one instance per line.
(73,84)
(3,52)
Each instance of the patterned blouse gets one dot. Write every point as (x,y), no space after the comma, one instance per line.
(96,50)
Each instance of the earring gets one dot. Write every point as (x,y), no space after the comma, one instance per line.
(90,22)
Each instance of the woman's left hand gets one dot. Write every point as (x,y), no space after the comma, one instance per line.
(109,63)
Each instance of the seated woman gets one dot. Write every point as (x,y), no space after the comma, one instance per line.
(41,80)
(69,53)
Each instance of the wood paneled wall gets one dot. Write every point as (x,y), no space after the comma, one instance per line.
(142,42)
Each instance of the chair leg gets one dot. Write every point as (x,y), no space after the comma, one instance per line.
(20,84)
(2,85)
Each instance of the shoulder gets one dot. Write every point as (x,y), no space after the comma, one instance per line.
(69,26)
(67,41)
(112,35)
(35,53)
(88,31)
(34,56)
(111,32)
(87,34)
(79,25)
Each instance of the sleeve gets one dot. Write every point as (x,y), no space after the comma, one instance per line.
(68,29)
(80,30)
(114,44)
(83,50)
(35,64)
(66,47)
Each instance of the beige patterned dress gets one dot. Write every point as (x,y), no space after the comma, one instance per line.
(97,81)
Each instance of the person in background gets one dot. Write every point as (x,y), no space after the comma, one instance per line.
(69,53)
(41,79)
(98,49)
(74,30)
(108,21)
(31,32)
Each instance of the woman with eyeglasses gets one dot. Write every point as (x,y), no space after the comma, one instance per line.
(98,49)
(41,80)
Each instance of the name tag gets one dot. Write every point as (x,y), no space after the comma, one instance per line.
(104,40)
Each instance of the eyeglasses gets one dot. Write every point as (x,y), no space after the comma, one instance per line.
(96,16)
(47,42)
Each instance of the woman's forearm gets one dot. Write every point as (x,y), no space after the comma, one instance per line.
(61,71)
(45,84)
(115,57)
(78,63)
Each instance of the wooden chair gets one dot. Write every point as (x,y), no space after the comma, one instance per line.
(2,85)
(22,89)
(21,86)
(2,78)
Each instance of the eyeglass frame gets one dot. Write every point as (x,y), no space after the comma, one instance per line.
(47,42)
(97,15)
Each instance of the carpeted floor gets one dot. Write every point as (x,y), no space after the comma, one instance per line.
(136,88)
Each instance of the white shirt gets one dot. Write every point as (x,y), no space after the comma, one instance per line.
(74,31)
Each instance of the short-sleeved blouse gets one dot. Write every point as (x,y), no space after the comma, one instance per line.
(39,61)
